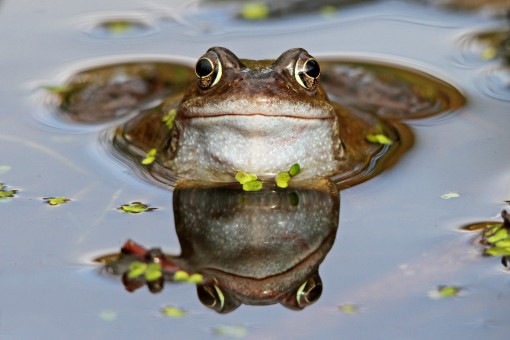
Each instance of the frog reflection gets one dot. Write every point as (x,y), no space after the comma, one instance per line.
(258,248)
(258,116)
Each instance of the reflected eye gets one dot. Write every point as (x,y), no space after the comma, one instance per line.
(309,292)
(208,72)
(307,72)
(211,296)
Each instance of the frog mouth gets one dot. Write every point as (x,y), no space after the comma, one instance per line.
(260,108)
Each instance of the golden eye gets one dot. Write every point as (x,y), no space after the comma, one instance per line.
(307,73)
(211,296)
(208,72)
(309,292)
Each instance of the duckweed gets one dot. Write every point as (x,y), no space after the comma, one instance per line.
(108,315)
(497,235)
(153,272)
(4,193)
(56,200)
(135,208)
(252,186)
(243,177)
(255,11)
(294,169)
(173,312)
(282,179)
(4,169)
(169,118)
(136,269)
(150,157)
(378,138)
(450,195)
(237,331)
(182,276)
(348,308)
(445,292)
(489,53)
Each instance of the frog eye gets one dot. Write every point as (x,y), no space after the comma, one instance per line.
(309,292)
(208,72)
(306,294)
(307,73)
(212,297)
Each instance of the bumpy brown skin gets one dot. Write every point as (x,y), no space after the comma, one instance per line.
(256,118)
(255,80)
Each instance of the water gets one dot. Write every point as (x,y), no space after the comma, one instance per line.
(397,239)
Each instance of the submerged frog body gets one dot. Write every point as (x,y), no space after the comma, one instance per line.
(259,117)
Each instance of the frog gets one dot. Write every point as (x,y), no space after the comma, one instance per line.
(258,116)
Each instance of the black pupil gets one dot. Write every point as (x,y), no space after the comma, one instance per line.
(204,67)
(312,68)
(314,294)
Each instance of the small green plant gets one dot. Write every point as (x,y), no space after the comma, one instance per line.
(151,271)
(255,11)
(173,312)
(445,292)
(4,193)
(283,178)
(248,181)
(135,208)
(378,138)
(56,200)
(169,118)
(150,157)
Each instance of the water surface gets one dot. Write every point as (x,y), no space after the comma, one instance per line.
(397,238)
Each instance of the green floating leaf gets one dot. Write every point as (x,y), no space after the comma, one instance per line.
(118,26)
(294,169)
(153,272)
(182,276)
(108,315)
(150,157)
(449,290)
(489,53)
(255,11)
(56,200)
(378,138)
(243,177)
(135,208)
(169,118)
(238,331)
(196,278)
(57,89)
(282,179)
(450,195)
(498,251)
(4,193)
(252,186)
(445,291)
(7,193)
(349,308)
(4,169)
(173,312)
(503,243)
(328,10)
(499,235)
(136,269)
